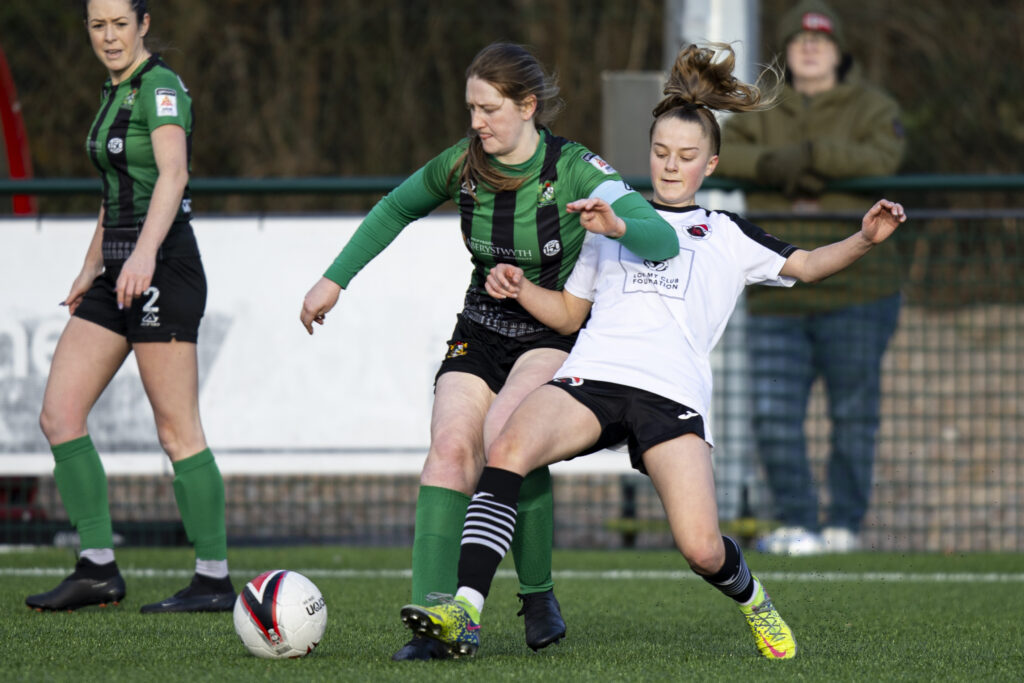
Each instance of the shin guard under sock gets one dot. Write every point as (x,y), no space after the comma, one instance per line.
(199,490)
(440,514)
(82,483)
(531,544)
(490,523)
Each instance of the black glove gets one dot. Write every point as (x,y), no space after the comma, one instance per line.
(783,166)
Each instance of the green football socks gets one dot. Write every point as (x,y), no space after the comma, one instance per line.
(199,490)
(82,483)
(440,514)
(531,544)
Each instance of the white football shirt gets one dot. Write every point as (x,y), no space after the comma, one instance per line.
(653,323)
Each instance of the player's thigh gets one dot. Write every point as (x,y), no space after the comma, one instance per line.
(456,455)
(547,427)
(531,370)
(170,376)
(85,360)
(681,472)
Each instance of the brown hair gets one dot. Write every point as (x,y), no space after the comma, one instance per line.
(137,6)
(702,83)
(516,74)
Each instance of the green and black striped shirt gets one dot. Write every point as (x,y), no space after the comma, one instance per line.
(528,227)
(120,146)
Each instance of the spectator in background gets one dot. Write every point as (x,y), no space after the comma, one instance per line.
(828,125)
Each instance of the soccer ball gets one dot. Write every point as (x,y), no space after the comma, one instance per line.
(280,614)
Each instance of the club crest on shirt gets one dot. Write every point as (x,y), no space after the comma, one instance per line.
(115,145)
(546,193)
(166,102)
(598,163)
(129,100)
(552,248)
(698,232)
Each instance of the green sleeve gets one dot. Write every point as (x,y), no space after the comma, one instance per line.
(647,235)
(165,100)
(416,197)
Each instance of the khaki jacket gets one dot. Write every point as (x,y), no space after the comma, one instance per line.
(854,130)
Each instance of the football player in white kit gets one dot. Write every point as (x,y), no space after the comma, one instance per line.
(640,370)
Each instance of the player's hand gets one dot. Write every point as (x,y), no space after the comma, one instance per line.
(881,220)
(135,278)
(504,281)
(79,287)
(319,300)
(597,216)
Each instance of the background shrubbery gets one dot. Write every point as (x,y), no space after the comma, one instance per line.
(346,87)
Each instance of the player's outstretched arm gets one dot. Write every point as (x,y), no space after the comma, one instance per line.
(878,224)
(561,311)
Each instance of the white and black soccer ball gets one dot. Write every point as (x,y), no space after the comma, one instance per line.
(280,614)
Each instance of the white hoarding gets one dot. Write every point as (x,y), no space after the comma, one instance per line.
(356,396)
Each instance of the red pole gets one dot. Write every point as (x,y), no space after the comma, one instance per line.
(19,159)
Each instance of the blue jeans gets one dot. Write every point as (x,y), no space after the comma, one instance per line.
(787,353)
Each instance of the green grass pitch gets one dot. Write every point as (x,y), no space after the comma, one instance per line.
(632,616)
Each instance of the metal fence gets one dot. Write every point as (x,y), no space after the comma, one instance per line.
(949,472)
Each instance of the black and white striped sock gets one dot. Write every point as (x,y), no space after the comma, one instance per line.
(490,523)
(734,577)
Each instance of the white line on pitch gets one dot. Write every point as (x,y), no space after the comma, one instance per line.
(605,575)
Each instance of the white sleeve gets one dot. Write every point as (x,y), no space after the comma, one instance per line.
(583,279)
(611,191)
(765,270)
(758,263)
(758,255)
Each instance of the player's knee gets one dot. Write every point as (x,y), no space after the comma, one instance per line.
(179,440)
(498,451)
(505,453)
(453,463)
(58,426)
(705,556)
(48,424)
(168,437)
(454,448)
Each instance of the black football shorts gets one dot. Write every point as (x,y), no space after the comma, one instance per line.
(169,310)
(490,356)
(641,419)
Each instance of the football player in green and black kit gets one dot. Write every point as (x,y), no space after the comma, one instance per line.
(142,289)
(511,179)
(640,373)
